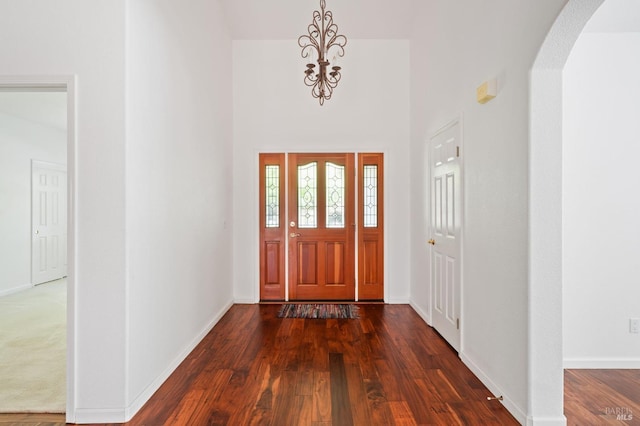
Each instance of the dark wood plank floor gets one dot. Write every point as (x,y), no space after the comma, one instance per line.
(602,397)
(32,419)
(386,368)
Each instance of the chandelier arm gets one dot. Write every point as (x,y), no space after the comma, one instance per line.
(308,42)
(311,80)
(332,38)
(316,91)
(307,49)
(327,25)
(328,92)
(337,41)
(333,81)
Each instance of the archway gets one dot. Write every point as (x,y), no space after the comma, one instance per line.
(545,404)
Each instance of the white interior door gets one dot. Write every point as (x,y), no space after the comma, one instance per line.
(49,222)
(446,225)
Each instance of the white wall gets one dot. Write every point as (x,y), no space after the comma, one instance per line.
(86,39)
(141,301)
(275,112)
(457,46)
(179,182)
(601,232)
(20,142)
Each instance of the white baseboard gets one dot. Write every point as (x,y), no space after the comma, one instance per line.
(424,315)
(493,388)
(508,403)
(89,415)
(602,363)
(142,399)
(15,289)
(398,301)
(546,421)
(85,416)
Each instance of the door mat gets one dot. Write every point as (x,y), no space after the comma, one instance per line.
(319,311)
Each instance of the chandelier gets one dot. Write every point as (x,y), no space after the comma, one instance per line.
(322,42)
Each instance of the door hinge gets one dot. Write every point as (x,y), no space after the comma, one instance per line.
(457,151)
(458,323)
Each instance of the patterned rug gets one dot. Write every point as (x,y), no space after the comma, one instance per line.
(318,311)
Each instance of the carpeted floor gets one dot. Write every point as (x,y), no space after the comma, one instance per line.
(33,349)
(318,311)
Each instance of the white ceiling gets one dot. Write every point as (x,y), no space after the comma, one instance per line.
(288,19)
(48,108)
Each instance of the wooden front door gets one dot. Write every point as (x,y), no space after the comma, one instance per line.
(321,227)
(308,249)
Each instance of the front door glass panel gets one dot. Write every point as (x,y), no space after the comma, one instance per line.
(308,195)
(272,191)
(370,189)
(335,195)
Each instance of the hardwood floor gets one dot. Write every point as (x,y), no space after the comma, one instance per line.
(386,368)
(602,397)
(32,419)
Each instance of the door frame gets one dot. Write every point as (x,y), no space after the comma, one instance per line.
(67,83)
(256,206)
(460,122)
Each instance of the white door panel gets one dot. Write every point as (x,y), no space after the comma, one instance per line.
(49,222)
(446,221)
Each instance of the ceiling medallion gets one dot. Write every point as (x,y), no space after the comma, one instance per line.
(322,42)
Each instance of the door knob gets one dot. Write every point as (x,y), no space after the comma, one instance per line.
(432,242)
(294,234)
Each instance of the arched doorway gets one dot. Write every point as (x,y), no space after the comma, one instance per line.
(545,215)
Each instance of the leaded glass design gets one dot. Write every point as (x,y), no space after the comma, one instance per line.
(335,195)
(272,183)
(370,196)
(308,195)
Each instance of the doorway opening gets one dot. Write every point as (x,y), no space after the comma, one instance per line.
(39,131)
(316,241)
